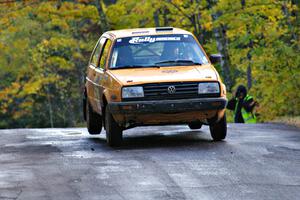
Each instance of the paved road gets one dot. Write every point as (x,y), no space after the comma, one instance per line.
(255,162)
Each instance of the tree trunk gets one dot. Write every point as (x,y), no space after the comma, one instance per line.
(198,27)
(58,4)
(103,20)
(249,76)
(156,18)
(165,12)
(222,46)
(49,107)
(249,56)
(288,15)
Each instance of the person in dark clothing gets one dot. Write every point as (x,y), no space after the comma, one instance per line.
(242,105)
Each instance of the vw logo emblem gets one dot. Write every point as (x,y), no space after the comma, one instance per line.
(171,89)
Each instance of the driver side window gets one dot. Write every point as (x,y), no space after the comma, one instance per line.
(96,54)
(105,52)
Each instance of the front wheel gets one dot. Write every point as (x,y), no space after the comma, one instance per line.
(93,120)
(113,130)
(218,130)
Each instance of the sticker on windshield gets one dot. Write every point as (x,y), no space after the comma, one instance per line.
(139,40)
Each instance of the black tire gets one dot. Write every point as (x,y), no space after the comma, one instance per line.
(93,120)
(84,108)
(218,130)
(113,130)
(195,125)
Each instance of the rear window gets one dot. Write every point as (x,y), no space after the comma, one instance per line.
(150,50)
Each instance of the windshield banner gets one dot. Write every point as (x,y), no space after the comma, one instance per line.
(138,40)
(155,38)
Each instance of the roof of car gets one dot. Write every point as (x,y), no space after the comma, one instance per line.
(146,31)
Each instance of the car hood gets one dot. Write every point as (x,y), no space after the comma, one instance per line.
(165,74)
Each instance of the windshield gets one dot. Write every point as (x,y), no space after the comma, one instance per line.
(156,51)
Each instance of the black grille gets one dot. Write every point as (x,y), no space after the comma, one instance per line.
(159,91)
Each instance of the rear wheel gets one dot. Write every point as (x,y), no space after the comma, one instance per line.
(195,125)
(93,120)
(113,130)
(218,130)
(84,108)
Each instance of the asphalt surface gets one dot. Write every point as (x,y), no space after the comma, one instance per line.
(171,162)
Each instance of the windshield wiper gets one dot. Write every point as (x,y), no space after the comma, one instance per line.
(159,64)
(135,66)
(178,62)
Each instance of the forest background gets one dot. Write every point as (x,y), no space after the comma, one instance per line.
(45,48)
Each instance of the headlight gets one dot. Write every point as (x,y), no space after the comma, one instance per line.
(132,92)
(208,88)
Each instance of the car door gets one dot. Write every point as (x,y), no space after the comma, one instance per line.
(91,73)
(101,76)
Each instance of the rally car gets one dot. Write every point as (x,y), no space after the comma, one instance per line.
(152,76)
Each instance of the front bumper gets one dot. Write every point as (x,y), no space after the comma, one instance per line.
(168,106)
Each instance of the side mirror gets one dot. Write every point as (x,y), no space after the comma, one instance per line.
(215,58)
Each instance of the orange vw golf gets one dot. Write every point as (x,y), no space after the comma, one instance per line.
(152,76)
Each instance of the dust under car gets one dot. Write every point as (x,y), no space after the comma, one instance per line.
(153,76)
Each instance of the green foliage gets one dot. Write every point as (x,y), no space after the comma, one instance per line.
(43,60)
(45,46)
